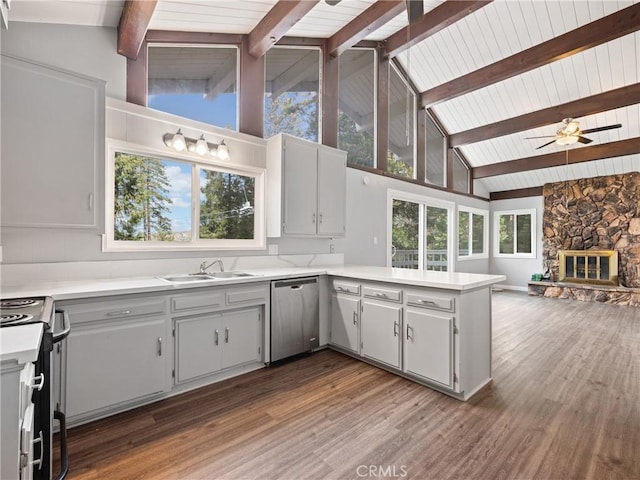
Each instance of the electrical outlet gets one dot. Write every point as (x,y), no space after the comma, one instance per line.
(273,249)
(332,248)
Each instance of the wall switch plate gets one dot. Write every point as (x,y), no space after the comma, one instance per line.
(273,249)
(332,248)
(375,240)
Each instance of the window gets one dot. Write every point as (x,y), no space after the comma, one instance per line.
(402,114)
(356,105)
(472,233)
(435,153)
(460,174)
(514,233)
(419,232)
(157,202)
(292,86)
(196,82)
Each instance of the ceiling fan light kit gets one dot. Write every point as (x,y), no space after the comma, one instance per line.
(570,133)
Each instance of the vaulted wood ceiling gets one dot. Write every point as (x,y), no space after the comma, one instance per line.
(493,73)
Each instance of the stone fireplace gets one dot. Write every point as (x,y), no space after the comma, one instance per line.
(586,217)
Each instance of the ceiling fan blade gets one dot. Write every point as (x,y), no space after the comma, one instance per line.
(544,136)
(582,139)
(600,129)
(415,9)
(549,143)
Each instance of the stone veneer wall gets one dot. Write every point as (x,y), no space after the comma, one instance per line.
(601,213)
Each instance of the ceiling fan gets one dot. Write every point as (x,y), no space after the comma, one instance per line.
(415,8)
(570,133)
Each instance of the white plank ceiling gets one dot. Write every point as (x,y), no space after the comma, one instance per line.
(490,34)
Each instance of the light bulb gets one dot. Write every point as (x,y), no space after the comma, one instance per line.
(223,151)
(567,140)
(179,143)
(202,148)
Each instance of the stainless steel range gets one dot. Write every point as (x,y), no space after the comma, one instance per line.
(37,423)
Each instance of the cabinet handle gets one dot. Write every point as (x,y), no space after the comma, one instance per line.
(38,382)
(381,295)
(313,218)
(159,346)
(409,337)
(120,313)
(90,201)
(395,328)
(427,302)
(34,442)
(226,335)
(320,218)
(355,318)
(217,334)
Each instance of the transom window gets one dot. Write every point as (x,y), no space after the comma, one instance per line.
(473,227)
(196,82)
(514,233)
(292,92)
(160,202)
(435,153)
(401,155)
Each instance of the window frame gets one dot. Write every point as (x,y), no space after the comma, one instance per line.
(414,118)
(429,118)
(485,233)
(496,233)
(424,201)
(198,45)
(110,244)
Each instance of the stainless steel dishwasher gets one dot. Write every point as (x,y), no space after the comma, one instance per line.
(295,317)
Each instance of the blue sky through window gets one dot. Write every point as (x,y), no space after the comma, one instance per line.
(220,112)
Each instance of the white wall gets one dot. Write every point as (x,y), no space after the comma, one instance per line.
(519,270)
(367,218)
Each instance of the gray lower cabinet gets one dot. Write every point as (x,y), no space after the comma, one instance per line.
(208,343)
(345,318)
(429,347)
(116,354)
(381,332)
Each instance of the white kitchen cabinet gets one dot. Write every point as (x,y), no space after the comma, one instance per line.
(381,332)
(116,356)
(306,188)
(208,343)
(52,140)
(345,319)
(429,345)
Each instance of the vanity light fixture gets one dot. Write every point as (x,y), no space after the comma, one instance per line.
(180,143)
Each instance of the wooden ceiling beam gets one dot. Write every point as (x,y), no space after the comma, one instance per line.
(276,23)
(518,193)
(431,22)
(368,21)
(556,159)
(134,21)
(617,98)
(608,28)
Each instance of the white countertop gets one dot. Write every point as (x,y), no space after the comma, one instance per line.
(69,290)
(21,343)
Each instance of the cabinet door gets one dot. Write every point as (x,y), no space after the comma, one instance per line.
(300,188)
(428,347)
(345,317)
(241,337)
(381,331)
(52,141)
(332,171)
(198,347)
(110,364)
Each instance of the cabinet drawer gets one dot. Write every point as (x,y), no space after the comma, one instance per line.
(245,295)
(210,299)
(388,294)
(434,302)
(346,287)
(115,309)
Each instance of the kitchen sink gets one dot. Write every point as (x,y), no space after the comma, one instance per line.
(231,274)
(205,277)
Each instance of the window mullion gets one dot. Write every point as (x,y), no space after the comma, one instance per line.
(422,242)
(195,203)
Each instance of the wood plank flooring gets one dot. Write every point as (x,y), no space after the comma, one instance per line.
(564,404)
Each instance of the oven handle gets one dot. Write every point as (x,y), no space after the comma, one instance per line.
(64,456)
(57,337)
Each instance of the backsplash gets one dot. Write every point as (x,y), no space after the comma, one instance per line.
(24,274)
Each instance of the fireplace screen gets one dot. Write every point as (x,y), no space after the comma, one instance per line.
(589,266)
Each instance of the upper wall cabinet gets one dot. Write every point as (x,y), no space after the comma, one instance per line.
(52,143)
(306,188)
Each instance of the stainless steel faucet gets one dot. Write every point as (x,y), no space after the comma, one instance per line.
(204,266)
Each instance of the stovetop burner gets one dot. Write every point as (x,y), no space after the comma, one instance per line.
(16,319)
(19,303)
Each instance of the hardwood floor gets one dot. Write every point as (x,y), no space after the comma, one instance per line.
(564,404)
